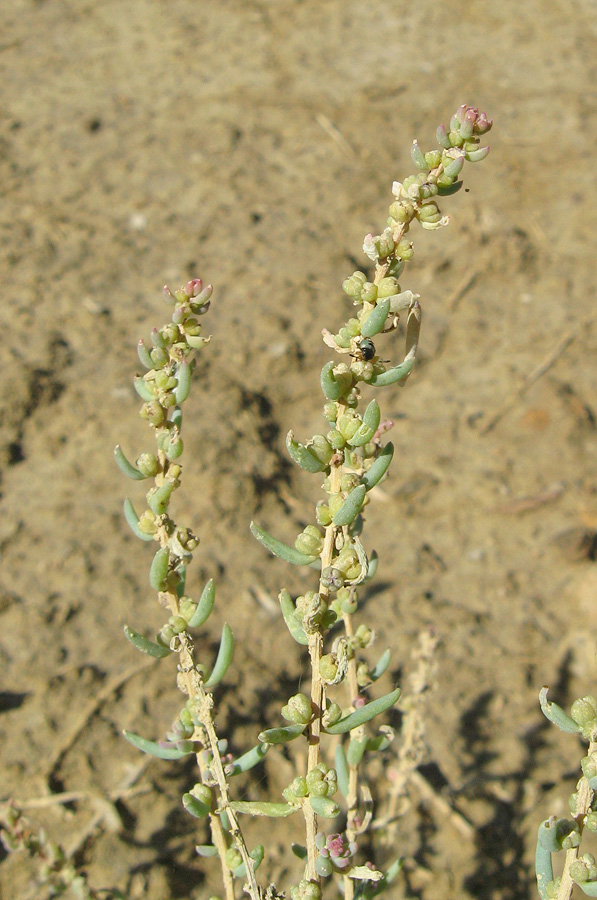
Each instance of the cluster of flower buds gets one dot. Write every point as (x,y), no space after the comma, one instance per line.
(335,853)
(584,713)
(318,786)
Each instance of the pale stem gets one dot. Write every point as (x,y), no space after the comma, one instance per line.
(318,686)
(583,806)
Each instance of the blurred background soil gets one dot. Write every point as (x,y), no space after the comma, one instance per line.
(254,144)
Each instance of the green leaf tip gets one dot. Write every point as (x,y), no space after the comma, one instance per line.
(302,456)
(556,714)
(133,521)
(161,750)
(351,506)
(125,466)
(365,713)
(205,605)
(144,645)
(263,808)
(282,551)
(223,659)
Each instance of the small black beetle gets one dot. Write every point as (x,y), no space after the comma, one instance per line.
(367,349)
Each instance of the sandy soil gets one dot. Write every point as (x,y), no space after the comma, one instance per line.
(254,144)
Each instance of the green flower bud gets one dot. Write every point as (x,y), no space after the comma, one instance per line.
(584,869)
(204,794)
(387,287)
(153,412)
(363,674)
(344,337)
(147,522)
(433,158)
(298,710)
(369,294)
(148,464)
(430,212)
(348,423)
(335,503)
(363,636)
(170,333)
(330,412)
(332,714)
(186,718)
(165,635)
(321,448)
(589,766)
(405,250)
(192,327)
(178,624)
(159,357)
(322,514)
(315,777)
(233,858)
(402,211)
(336,439)
(363,370)
(348,481)
(313,608)
(310,541)
(591,821)
(584,711)
(297,789)
(353,326)
(353,285)
(328,668)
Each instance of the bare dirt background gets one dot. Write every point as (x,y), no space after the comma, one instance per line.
(254,144)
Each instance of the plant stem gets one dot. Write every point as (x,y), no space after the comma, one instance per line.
(583,806)
(317,683)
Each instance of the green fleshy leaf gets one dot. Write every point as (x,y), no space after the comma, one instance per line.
(133,521)
(556,714)
(281,735)
(324,806)
(397,375)
(372,567)
(144,356)
(205,605)
(369,426)
(125,466)
(543,863)
(223,659)
(206,850)
(263,808)
(379,468)
(159,500)
(329,383)
(356,751)
(183,377)
(159,569)
(341,766)
(364,713)
(351,506)
(382,740)
(194,806)
(158,750)
(141,388)
(302,456)
(257,856)
(376,319)
(299,851)
(248,760)
(382,664)
(144,645)
(288,611)
(283,551)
